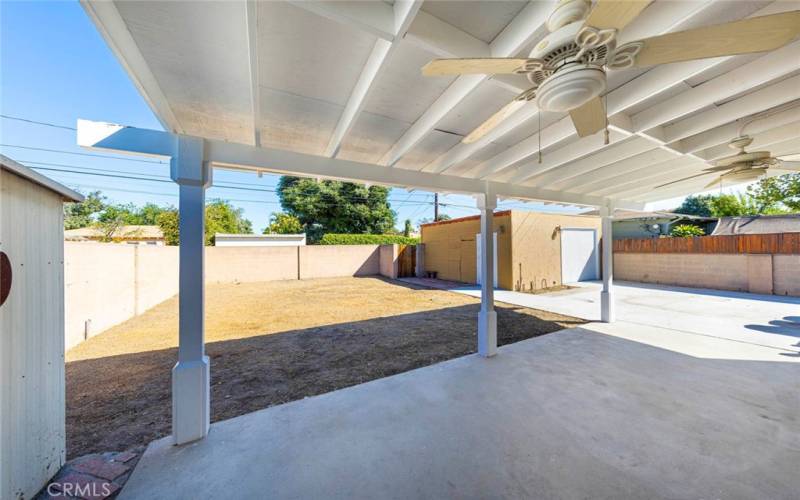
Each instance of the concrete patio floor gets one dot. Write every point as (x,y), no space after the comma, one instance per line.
(572,414)
(768,320)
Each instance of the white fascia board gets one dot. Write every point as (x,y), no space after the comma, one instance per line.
(112,28)
(376,18)
(122,139)
(404,15)
(513,38)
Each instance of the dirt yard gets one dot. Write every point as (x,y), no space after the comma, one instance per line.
(271,343)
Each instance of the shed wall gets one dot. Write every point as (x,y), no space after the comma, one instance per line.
(536,243)
(450,249)
(32,434)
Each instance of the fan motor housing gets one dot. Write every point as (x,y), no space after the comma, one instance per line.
(573,82)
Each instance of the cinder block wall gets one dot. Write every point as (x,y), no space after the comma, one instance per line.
(754,273)
(106,284)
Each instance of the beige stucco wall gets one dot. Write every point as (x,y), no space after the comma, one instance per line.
(107,284)
(251,264)
(328,261)
(536,247)
(450,249)
(389,260)
(32,435)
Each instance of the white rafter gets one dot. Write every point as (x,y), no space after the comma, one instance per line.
(514,37)
(404,12)
(376,18)
(251,20)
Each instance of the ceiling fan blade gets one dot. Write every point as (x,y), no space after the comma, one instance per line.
(757,34)
(615,14)
(492,65)
(716,169)
(589,118)
(717,182)
(680,180)
(494,120)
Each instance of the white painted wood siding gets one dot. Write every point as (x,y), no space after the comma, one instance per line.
(32,435)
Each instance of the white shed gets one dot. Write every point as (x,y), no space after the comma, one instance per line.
(259,240)
(32,436)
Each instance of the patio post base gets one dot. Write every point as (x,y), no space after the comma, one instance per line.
(607,313)
(487,333)
(191,412)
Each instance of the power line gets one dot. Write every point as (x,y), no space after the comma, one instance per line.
(46,124)
(83,154)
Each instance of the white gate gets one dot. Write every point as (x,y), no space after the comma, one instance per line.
(579,255)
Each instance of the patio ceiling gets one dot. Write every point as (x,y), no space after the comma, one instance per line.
(341,81)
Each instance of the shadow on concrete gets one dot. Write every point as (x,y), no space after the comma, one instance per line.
(789,325)
(117,402)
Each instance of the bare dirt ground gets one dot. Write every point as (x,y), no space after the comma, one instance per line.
(271,343)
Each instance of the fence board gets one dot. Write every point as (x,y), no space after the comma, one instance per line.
(782,243)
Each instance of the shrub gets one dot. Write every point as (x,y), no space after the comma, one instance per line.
(687,231)
(366,239)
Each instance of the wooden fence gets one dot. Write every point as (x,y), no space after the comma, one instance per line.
(783,243)
(407,261)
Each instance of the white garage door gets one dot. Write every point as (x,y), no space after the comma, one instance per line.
(579,257)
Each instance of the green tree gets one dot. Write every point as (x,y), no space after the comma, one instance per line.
(220,215)
(687,231)
(281,223)
(407,228)
(336,207)
(82,214)
(699,205)
(729,205)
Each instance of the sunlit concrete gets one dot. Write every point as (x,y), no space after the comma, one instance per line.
(767,320)
(573,414)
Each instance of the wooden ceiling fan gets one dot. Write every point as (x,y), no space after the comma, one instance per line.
(567,68)
(743,166)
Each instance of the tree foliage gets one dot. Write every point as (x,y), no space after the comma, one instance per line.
(83,214)
(336,207)
(281,223)
(220,215)
(687,231)
(769,196)
(407,228)
(366,239)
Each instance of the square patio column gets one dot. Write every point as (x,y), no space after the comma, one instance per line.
(191,375)
(607,313)
(487,317)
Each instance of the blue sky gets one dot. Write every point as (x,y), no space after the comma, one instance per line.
(55,68)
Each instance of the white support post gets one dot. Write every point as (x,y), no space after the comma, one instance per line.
(607,313)
(487,317)
(191,376)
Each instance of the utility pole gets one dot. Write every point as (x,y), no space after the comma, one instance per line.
(435,207)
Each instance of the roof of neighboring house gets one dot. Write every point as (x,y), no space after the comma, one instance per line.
(758,224)
(123,232)
(637,214)
(17,168)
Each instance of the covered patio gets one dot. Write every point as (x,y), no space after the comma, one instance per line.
(333,90)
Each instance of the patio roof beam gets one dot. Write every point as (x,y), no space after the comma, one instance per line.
(511,40)
(404,13)
(376,18)
(106,136)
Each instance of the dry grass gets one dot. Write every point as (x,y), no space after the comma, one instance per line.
(272,343)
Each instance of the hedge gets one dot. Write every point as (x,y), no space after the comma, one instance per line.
(366,239)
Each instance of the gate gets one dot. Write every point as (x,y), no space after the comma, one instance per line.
(407,261)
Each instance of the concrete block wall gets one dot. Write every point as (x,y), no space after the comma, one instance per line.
(754,273)
(106,284)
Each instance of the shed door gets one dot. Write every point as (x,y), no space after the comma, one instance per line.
(579,255)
